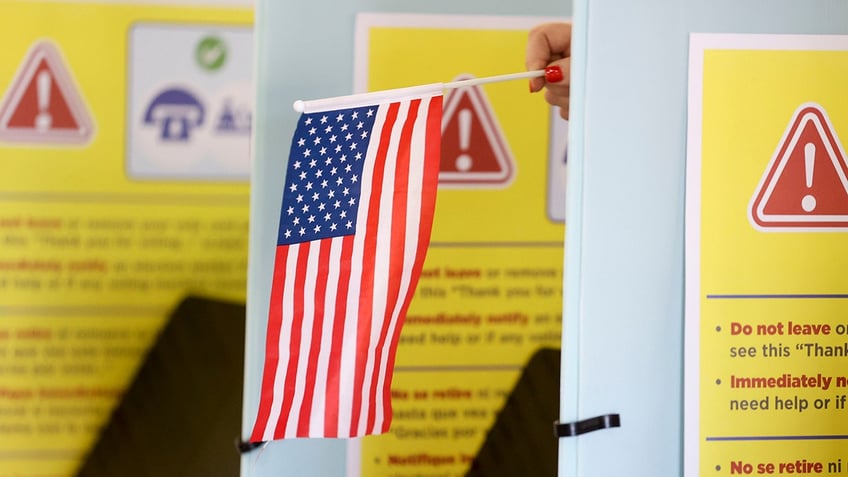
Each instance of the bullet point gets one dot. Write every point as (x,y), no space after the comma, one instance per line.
(718,467)
(718,381)
(718,328)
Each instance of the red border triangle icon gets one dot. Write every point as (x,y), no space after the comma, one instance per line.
(805,186)
(43,104)
(474,150)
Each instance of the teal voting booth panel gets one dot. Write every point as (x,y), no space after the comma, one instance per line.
(623,343)
(305,51)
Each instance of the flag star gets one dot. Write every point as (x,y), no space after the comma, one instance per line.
(355,115)
(288,233)
(303,231)
(351,201)
(327,216)
(299,198)
(337,204)
(358,156)
(305,208)
(354,178)
(307,153)
(343,215)
(322,206)
(319,173)
(346,191)
(339,181)
(308,121)
(345,126)
(324,183)
(296,221)
(301,142)
(311,219)
(302,175)
(296,165)
(360,125)
(312,163)
(317,140)
(315,196)
(333,138)
(352,146)
(340,117)
(348,136)
(293,187)
(328,129)
(323,151)
(364,134)
(333,227)
(308,186)
(324,119)
(343,158)
(348,168)
(312,131)
(370,112)
(333,171)
(349,224)
(331,194)
(317,229)
(290,210)
(338,148)
(328,161)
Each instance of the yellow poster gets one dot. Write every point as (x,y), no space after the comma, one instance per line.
(490,294)
(124,136)
(767,294)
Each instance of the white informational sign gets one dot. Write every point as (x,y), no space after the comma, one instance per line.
(190,102)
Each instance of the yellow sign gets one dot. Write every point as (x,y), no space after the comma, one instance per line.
(491,290)
(766,290)
(99,241)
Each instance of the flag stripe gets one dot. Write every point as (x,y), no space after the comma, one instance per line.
(272,355)
(283,346)
(340,326)
(421,221)
(366,295)
(298,278)
(320,284)
(395,255)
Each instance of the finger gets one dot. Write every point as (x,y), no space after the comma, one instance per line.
(547,42)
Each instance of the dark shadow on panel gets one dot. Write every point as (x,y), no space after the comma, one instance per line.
(521,442)
(181,416)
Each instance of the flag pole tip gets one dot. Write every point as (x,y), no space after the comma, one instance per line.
(298,106)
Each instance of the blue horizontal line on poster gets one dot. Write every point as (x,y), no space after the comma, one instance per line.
(118,311)
(836,437)
(496,244)
(213,200)
(781,296)
(429,369)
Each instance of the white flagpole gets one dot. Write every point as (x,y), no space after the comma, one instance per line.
(301,106)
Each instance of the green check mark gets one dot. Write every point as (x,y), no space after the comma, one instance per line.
(211,53)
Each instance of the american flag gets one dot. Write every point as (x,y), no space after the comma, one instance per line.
(355,224)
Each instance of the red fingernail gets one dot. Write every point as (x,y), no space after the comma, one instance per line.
(553,74)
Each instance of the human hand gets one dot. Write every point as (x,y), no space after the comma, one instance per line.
(549,47)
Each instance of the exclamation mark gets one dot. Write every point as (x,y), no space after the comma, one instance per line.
(464,161)
(808,203)
(43,120)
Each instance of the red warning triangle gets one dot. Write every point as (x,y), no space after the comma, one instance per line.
(474,151)
(43,105)
(806,183)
